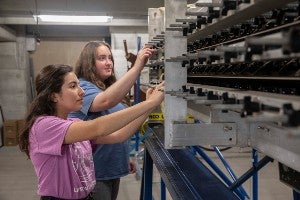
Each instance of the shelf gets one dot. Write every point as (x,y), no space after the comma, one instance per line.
(245,13)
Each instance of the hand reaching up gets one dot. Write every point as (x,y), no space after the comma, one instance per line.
(143,55)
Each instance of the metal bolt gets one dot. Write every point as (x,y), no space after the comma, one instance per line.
(267,130)
(227,128)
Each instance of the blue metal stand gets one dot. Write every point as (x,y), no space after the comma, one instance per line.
(141,139)
(162,190)
(183,174)
(296,195)
(217,170)
(146,188)
(185,177)
(137,96)
(255,176)
(251,171)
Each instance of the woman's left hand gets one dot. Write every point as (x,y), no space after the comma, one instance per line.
(132,167)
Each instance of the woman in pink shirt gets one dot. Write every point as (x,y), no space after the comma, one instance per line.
(60,148)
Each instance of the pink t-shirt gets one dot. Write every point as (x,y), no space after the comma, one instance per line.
(63,171)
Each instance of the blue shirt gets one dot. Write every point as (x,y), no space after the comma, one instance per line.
(111,160)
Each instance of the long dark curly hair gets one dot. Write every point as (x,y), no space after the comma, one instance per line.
(48,81)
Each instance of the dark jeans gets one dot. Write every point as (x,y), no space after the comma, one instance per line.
(107,190)
(89,197)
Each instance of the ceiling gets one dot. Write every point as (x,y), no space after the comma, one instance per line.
(18,15)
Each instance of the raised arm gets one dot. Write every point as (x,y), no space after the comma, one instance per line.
(105,125)
(116,92)
(124,133)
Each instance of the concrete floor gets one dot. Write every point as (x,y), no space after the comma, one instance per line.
(18,180)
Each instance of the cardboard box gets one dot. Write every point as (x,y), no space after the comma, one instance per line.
(10,133)
(10,141)
(10,129)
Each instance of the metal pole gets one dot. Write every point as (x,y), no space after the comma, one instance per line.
(230,171)
(296,195)
(217,170)
(137,96)
(250,172)
(255,176)
(162,190)
(146,188)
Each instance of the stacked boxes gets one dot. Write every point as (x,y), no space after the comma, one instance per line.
(11,131)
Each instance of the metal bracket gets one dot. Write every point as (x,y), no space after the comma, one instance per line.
(215,134)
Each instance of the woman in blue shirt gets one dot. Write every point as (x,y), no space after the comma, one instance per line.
(104,95)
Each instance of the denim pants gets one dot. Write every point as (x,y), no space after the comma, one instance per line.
(106,189)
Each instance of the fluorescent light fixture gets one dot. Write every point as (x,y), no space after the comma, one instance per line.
(73,18)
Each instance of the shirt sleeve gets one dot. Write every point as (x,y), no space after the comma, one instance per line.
(49,133)
(90,92)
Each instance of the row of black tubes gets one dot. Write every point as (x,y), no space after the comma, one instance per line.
(274,68)
(271,19)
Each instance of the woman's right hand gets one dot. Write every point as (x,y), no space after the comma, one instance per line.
(156,94)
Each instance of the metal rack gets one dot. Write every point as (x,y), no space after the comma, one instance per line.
(219,67)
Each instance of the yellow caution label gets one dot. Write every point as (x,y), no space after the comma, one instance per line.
(190,119)
(156,116)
